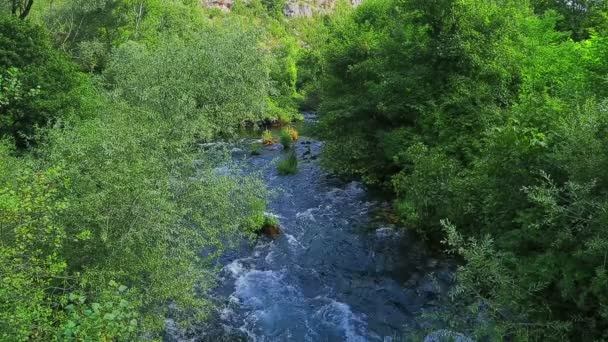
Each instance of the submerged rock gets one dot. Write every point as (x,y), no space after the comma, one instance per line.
(445,336)
(430,287)
(385,232)
(275,147)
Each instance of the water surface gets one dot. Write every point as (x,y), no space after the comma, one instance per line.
(337,273)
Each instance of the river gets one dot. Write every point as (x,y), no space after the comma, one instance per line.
(339,271)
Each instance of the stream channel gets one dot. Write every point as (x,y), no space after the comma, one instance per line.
(338,272)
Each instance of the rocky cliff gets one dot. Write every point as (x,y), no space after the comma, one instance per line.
(294,8)
(224,5)
(307,8)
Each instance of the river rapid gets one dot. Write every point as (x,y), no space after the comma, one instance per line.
(338,272)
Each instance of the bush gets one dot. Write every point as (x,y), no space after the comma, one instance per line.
(271,227)
(293,132)
(267,138)
(284,118)
(288,165)
(286,139)
(271,221)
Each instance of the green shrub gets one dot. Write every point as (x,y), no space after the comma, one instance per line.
(271,221)
(286,139)
(288,165)
(293,133)
(284,118)
(267,138)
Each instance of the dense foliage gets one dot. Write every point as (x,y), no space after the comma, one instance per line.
(581,18)
(114,219)
(488,122)
(39,84)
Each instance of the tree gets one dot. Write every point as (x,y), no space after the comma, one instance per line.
(579,17)
(487,122)
(44,84)
(194,87)
(21,8)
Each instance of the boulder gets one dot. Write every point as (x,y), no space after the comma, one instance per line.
(272,231)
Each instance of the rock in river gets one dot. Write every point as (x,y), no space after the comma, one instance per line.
(272,231)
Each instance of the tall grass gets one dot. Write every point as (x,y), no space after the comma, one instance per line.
(293,133)
(288,165)
(286,139)
(267,138)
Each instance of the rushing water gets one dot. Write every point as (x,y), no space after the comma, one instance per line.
(337,273)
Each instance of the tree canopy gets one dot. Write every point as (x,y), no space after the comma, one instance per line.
(486,121)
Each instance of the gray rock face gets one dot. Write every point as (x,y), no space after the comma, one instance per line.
(294,8)
(223,5)
(307,8)
(446,336)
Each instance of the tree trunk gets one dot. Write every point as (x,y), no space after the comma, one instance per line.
(26,10)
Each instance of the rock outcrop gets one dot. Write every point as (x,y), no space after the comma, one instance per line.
(223,5)
(271,230)
(297,9)
(307,8)
(293,8)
